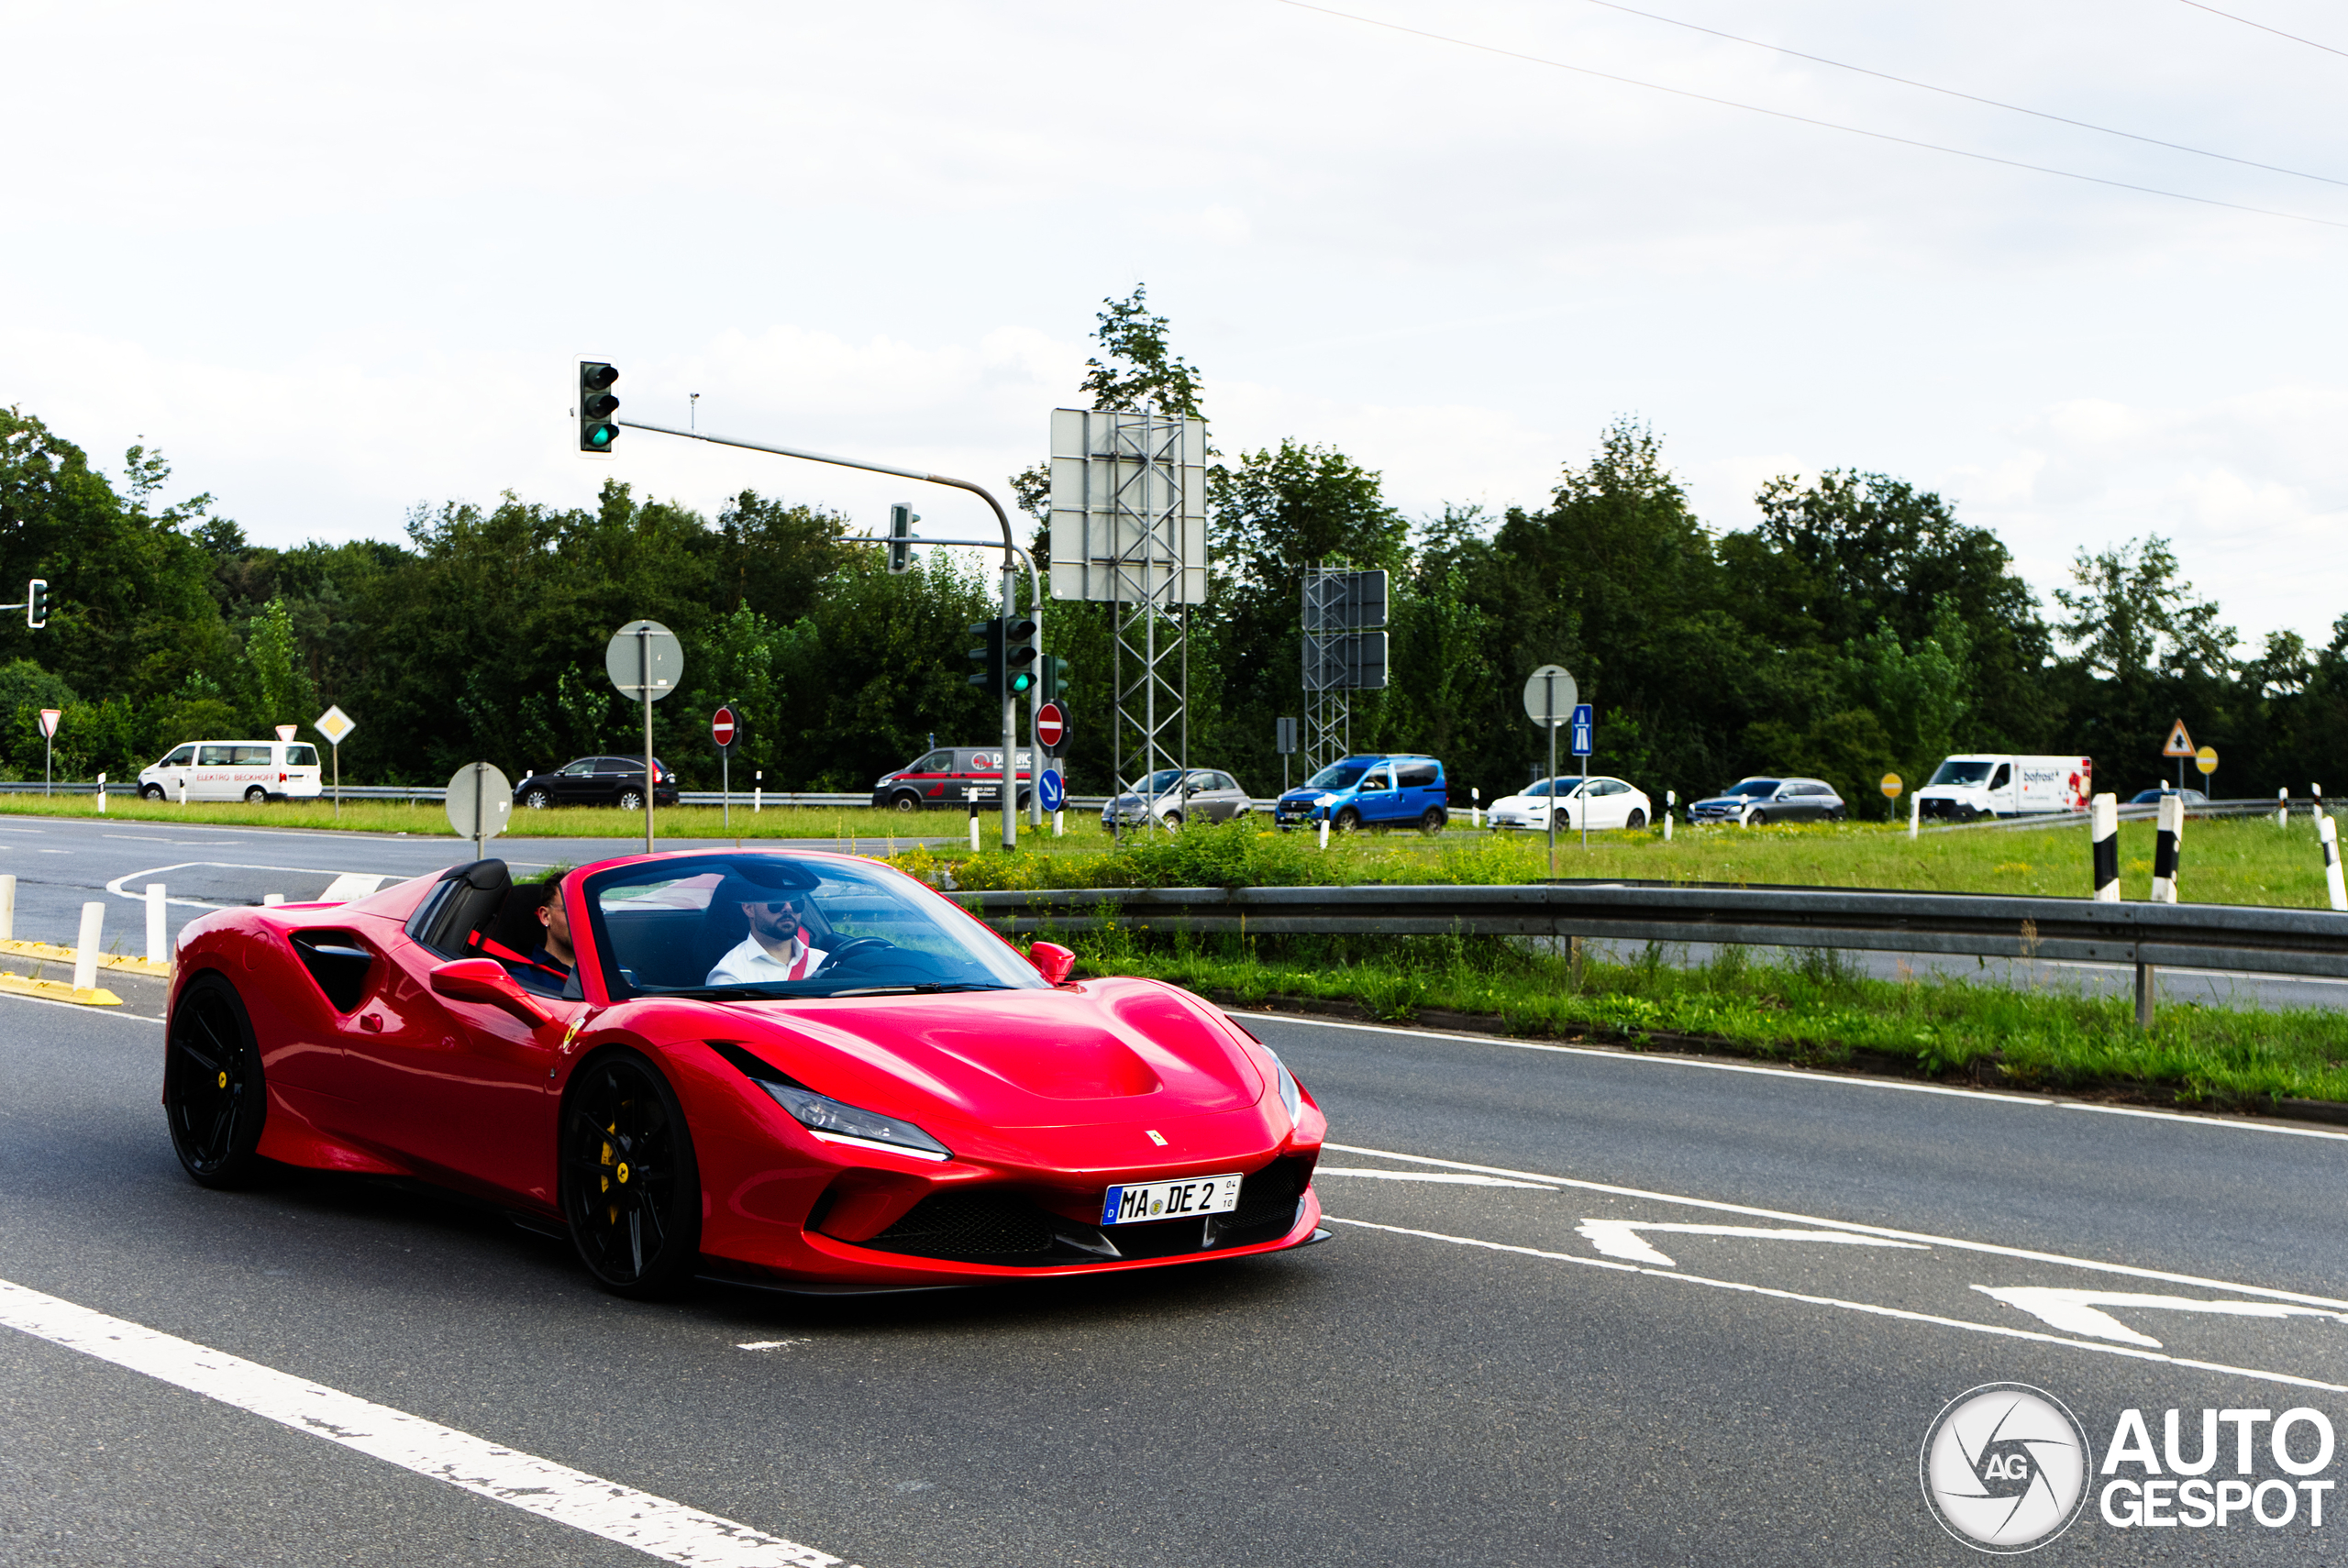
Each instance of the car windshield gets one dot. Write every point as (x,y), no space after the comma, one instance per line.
(1160,782)
(1337,775)
(1957,771)
(752,925)
(1753,787)
(1564,788)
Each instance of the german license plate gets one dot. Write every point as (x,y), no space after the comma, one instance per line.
(1170,1200)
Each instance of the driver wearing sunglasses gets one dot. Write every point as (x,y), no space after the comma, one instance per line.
(778,947)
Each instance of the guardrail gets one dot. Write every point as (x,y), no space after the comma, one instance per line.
(417,794)
(2145,936)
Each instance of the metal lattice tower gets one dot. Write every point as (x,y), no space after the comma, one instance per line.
(1128,510)
(1344,652)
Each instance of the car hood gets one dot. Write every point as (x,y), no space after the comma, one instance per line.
(1310,797)
(1730,800)
(967,1065)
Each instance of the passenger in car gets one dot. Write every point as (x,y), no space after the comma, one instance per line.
(780,946)
(548,969)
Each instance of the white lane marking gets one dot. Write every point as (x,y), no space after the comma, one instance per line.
(155,873)
(1651,1060)
(1991,1248)
(772,1344)
(1871,1309)
(174,842)
(82,1007)
(651,1525)
(1460,1179)
(1621,1238)
(2239,1124)
(348,885)
(2078,1311)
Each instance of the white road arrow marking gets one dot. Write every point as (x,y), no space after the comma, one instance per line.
(1620,1238)
(2077,1311)
(1454,1178)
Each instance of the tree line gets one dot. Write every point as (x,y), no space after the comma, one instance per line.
(1859,628)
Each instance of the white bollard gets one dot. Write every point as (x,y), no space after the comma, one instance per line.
(182,789)
(2283,806)
(85,952)
(1058,828)
(7,906)
(2329,831)
(1476,807)
(1324,830)
(270,900)
(974,833)
(158,949)
(102,794)
(1915,815)
(1671,808)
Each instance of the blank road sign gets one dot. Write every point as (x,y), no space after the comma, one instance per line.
(1551,696)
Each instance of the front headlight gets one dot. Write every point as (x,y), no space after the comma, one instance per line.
(830,1120)
(1291,1097)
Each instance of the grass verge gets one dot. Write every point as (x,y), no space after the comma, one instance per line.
(1813,1009)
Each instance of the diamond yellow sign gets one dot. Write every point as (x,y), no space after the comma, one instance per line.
(2205,759)
(1892,786)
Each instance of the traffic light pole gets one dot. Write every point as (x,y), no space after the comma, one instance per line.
(1010,548)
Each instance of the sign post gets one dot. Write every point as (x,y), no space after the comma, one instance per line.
(1049,729)
(1585,742)
(2179,746)
(645,660)
(480,802)
(335,726)
(48,717)
(722,730)
(1892,786)
(1550,696)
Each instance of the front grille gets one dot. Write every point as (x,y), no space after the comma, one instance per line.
(1004,1229)
(968,1225)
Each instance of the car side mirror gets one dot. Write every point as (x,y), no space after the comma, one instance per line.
(1052,961)
(484,981)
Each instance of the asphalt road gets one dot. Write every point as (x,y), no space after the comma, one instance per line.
(1581,1308)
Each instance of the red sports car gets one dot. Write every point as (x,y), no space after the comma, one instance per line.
(801,1070)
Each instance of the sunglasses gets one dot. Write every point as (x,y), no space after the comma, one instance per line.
(776,906)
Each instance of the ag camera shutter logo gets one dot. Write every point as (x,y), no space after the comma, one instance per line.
(2005,1468)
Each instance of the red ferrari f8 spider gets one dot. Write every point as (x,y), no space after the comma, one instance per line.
(800,1070)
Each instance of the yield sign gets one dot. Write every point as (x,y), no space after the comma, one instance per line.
(2179,743)
(721,726)
(48,717)
(1051,726)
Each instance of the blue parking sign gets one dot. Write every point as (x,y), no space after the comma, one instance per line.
(1051,791)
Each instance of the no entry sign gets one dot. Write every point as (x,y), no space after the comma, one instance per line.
(1051,726)
(721,726)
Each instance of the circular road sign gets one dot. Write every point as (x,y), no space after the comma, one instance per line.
(721,726)
(1892,786)
(624,657)
(480,802)
(1051,726)
(2205,759)
(1551,697)
(1051,790)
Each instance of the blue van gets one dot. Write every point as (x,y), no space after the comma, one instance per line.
(1387,789)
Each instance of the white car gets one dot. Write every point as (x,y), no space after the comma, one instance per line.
(1608,803)
(252,771)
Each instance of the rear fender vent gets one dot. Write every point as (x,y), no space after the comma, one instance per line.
(339,962)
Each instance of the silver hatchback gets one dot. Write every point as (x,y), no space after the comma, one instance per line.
(1174,796)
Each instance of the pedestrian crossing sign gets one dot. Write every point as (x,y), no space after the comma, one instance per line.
(2179,743)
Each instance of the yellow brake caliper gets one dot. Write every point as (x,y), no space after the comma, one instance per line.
(611,1157)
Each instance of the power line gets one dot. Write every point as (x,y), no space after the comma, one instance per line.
(1973,97)
(2262,27)
(1807,120)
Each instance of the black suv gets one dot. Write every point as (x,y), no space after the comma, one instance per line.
(597,781)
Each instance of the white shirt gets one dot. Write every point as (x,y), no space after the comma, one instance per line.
(749,963)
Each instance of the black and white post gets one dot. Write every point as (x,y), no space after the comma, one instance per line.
(2103,827)
(2167,845)
(2327,831)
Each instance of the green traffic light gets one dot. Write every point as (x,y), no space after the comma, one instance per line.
(602,434)
(1020,683)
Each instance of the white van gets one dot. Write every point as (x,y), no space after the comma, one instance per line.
(1984,783)
(234,770)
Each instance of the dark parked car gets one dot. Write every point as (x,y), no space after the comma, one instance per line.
(1754,802)
(597,781)
(945,777)
(2153,797)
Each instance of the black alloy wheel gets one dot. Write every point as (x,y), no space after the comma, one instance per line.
(538,799)
(631,1192)
(631,800)
(214,1096)
(1431,822)
(1637,820)
(1348,820)
(256,796)
(151,791)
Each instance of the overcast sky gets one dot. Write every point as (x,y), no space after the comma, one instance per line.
(336,260)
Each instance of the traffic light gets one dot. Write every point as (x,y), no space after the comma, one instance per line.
(597,428)
(1019,671)
(1055,677)
(37,603)
(989,655)
(902,519)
